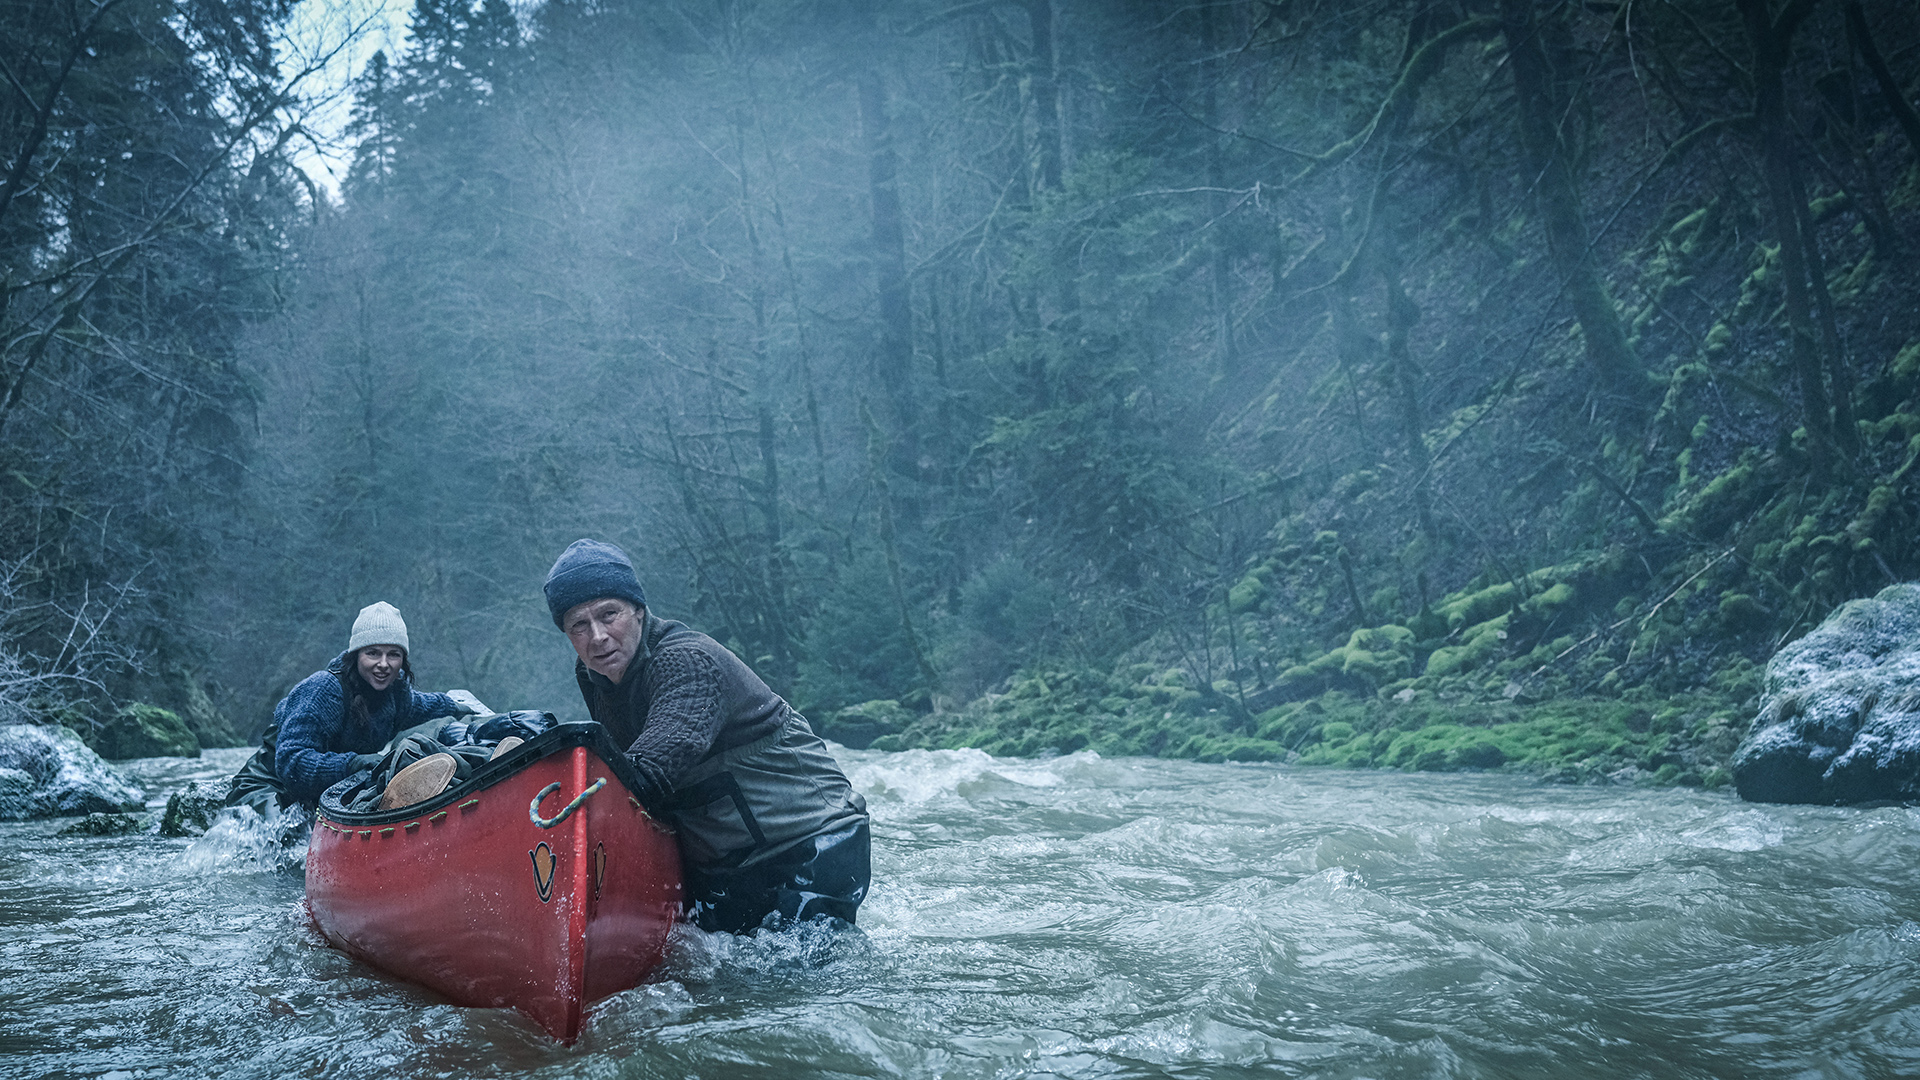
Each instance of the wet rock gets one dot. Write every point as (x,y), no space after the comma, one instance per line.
(191,812)
(144,731)
(105,825)
(47,771)
(1839,718)
(856,726)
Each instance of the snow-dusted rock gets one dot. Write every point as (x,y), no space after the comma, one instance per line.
(1839,717)
(191,812)
(47,771)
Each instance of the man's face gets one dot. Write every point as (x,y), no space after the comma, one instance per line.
(606,634)
(380,664)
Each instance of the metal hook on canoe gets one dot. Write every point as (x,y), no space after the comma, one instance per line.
(533,808)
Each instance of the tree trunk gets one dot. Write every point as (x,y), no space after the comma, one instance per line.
(1557,191)
(896,576)
(1045,88)
(1220,287)
(772,603)
(793,294)
(1839,376)
(779,634)
(1770,40)
(1890,89)
(893,363)
(1402,313)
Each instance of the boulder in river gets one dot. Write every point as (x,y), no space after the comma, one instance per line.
(1839,718)
(105,825)
(46,771)
(191,812)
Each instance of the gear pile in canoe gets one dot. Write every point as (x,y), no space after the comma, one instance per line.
(537,882)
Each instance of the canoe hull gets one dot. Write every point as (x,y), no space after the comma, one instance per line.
(474,899)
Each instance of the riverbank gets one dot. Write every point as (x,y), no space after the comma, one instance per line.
(1641,737)
(1585,671)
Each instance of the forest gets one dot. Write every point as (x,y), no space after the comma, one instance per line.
(1423,384)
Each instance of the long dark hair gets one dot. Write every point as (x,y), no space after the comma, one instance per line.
(356,690)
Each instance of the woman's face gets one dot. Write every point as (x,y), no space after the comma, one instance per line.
(380,664)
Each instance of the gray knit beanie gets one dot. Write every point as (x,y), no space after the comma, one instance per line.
(590,570)
(379,623)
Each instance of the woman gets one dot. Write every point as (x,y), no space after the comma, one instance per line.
(336,722)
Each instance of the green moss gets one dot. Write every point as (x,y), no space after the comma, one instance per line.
(1740,613)
(1479,643)
(1478,606)
(1719,339)
(142,731)
(1848,286)
(1723,500)
(1906,363)
(1554,598)
(1247,595)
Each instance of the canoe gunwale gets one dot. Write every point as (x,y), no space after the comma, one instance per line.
(554,740)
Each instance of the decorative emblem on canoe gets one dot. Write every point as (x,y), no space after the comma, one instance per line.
(543,863)
(599,867)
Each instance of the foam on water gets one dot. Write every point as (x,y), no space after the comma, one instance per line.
(1071,917)
(240,841)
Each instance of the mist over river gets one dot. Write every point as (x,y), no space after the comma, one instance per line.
(1073,917)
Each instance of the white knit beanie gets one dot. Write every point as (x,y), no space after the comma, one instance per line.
(379,624)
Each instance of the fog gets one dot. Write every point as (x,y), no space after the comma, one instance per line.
(913,350)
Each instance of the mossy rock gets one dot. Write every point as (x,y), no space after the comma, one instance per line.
(144,731)
(857,726)
(1427,626)
(191,812)
(1247,595)
(1479,606)
(1388,638)
(1553,599)
(1478,644)
(98,824)
(1375,668)
(1480,752)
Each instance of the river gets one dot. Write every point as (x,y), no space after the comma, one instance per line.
(1070,917)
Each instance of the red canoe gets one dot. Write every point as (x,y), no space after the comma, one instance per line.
(538,883)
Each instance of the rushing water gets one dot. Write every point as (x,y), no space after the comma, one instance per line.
(1073,917)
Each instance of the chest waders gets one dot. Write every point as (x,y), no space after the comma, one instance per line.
(771,826)
(256,784)
(745,805)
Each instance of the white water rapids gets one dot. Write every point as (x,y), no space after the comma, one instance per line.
(1071,917)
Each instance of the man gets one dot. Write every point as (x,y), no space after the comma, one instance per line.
(770,830)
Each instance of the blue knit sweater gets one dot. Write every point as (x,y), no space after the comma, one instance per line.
(318,740)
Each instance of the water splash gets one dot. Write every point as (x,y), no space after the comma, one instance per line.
(240,841)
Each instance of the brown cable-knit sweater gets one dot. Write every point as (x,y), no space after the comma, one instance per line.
(683,698)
